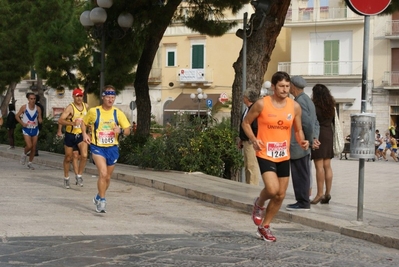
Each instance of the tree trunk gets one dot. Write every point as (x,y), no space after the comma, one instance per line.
(156,31)
(260,45)
(6,100)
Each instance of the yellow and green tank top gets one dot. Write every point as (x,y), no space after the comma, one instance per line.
(103,122)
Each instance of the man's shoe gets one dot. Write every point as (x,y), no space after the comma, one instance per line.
(23,159)
(66,183)
(96,201)
(257,213)
(79,180)
(296,207)
(266,234)
(30,166)
(100,206)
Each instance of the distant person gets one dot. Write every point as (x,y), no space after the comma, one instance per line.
(11,125)
(29,116)
(381,149)
(107,123)
(251,165)
(42,116)
(134,127)
(300,159)
(377,143)
(394,148)
(72,119)
(276,115)
(388,145)
(325,111)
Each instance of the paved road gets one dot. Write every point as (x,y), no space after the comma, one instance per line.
(43,224)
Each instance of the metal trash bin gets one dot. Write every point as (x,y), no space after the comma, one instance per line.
(362,135)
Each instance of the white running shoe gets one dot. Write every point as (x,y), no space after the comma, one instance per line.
(79,180)
(30,166)
(23,159)
(100,205)
(66,183)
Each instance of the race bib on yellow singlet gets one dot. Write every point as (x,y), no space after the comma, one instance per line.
(276,149)
(106,137)
(79,123)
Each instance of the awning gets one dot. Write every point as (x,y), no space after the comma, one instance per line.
(184,103)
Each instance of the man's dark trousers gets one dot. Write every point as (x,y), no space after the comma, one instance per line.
(300,173)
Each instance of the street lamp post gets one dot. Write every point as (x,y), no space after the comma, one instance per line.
(261,8)
(198,98)
(95,21)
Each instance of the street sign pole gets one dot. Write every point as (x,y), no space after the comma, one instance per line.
(365,8)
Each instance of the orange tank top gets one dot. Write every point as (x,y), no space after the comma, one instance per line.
(274,129)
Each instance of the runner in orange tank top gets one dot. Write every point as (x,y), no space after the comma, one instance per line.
(276,114)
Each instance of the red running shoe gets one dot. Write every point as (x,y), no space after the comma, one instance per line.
(257,213)
(266,234)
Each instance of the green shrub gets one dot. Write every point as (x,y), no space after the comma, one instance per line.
(130,149)
(190,148)
(47,137)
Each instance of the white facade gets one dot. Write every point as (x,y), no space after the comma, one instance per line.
(327,47)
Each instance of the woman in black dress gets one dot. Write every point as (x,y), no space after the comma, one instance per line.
(325,112)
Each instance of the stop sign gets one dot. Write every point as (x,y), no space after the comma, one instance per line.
(368,7)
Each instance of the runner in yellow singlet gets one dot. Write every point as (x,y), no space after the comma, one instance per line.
(276,114)
(72,118)
(107,123)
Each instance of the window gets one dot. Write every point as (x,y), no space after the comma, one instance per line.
(171,57)
(331,57)
(197,56)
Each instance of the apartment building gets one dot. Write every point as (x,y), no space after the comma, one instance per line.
(187,61)
(327,47)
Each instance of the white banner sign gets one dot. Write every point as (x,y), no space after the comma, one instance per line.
(192,75)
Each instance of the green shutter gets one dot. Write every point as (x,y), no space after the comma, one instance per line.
(197,57)
(171,59)
(331,57)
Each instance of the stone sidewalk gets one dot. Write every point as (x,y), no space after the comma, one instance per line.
(380,215)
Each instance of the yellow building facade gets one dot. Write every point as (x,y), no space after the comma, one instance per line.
(187,61)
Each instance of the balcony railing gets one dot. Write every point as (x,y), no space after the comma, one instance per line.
(391,78)
(392,28)
(323,13)
(325,68)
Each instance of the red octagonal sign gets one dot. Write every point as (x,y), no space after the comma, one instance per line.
(368,7)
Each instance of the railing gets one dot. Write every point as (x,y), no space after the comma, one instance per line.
(392,28)
(324,13)
(326,68)
(391,78)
